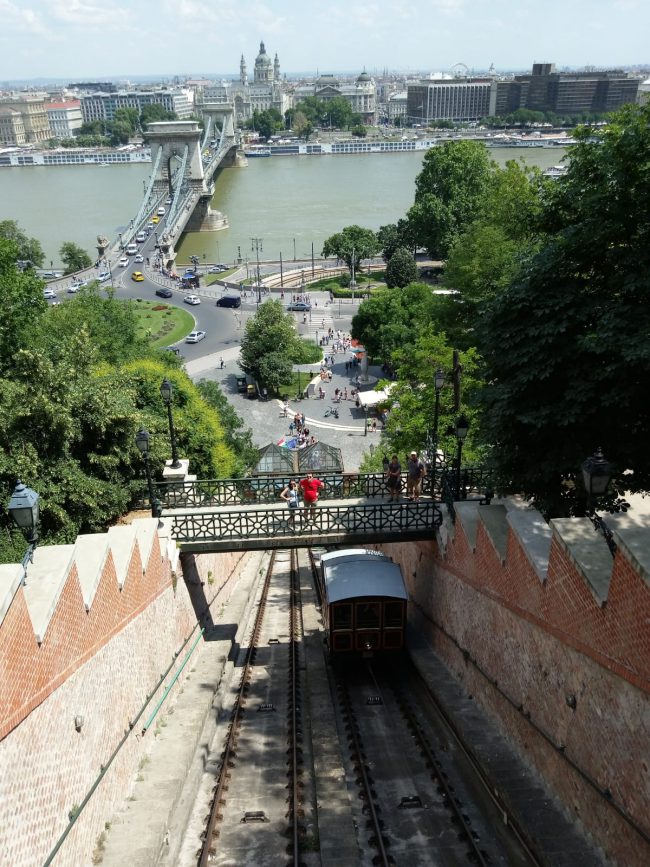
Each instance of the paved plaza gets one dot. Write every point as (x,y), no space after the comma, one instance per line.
(265,418)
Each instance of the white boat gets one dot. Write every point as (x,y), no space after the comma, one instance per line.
(555,171)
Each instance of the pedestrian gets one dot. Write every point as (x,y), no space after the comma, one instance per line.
(345,393)
(285,408)
(302,420)
(310,488)
(393,472)
(290,496)
(291,426)
(221,363)
(374,425)
(416,471)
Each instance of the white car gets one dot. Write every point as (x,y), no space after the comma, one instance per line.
(195,336)
(104,276)
(139,258)
(49,294)
(168,201)
(217,269)
(192,299)
(161,211)
(124,262)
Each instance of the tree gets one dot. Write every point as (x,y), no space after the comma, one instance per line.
(22,303)
(155,113)
(359,131)
(566,352)
(301,125)
(394,236)
(270,334)
(130,117)
(27,249)
(392,318)
(120,133)
(74,258)
(352,244)
(238,438)
(338,111)
(401,270)
(448,193)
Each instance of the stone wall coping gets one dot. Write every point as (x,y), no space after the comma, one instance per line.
(588,552)
(121,540)
(46,578)
(11,576)
(631,535)
(91,551)
(467,514)
(495,522)
(534,536)
(145,532)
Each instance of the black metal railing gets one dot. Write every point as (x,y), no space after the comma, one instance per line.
(244,525)
(474,483)
(266,489)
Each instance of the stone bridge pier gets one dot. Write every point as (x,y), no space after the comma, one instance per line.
(170,141)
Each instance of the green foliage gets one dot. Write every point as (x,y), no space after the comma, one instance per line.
(394,236)
(155,113)
(22,303)
(301,125)
(392,318)
(337,112)
(413,395)
(27,249)
(306,352)
(448,193)
(566,346)
(268,344)
(352,244)
(265,122)
(74,258)
(401,269)
(238,438)
(359,131)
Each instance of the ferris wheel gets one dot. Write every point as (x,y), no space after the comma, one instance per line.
(460,70)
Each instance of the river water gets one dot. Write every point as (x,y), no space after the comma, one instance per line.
(289,203)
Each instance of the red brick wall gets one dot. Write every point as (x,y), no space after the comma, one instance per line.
(544,642)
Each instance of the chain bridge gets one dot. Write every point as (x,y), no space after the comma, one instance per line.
(183,162)
(353,509)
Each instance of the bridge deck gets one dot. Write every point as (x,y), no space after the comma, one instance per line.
(332,522)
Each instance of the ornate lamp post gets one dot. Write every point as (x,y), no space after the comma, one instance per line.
(167,394)
(24,510)
(596,475)
(142,442)
(462,427)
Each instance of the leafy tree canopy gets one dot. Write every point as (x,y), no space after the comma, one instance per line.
(401,270)
(27,249)
(351,245)
(392,318)
(394,236)
(155,113)
(22,303)
(74,257)
(566,346)
(268,344)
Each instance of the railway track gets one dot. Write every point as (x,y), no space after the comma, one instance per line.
(420,800)
(257,813)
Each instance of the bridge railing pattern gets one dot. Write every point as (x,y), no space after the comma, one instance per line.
(375,520)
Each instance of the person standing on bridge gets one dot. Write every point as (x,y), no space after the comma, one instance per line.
(310,488)
(290,496)
(416,471)
(393,471)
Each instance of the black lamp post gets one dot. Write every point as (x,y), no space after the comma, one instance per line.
(462,427)
(596,475)
(142,442)
(439,381)
(24,510)
(167,394)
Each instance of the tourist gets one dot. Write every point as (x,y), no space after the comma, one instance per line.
(310,488)
(290,496)
(393,472)
(416,471)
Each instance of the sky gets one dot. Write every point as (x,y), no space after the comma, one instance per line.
(97,39)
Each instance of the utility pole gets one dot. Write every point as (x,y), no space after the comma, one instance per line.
(312,260)
(353,282)
(256,245)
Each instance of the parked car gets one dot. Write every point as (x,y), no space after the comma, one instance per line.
(241,383)
(192,299)
(164,293)
(299,305)
(195,336)
(139,259)
(51,275)
(251,390)
(138,276)
(217,269)
(229,301)
(124,261)
(173,349)
(49,294)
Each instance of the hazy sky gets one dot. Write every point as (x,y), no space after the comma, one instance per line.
(77,39)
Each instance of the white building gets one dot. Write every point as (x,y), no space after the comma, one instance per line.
(361,94)
(102,106)
(65,118)
(266,91)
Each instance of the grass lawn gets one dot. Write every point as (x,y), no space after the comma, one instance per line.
(162,323)
(223,275)
(364,281)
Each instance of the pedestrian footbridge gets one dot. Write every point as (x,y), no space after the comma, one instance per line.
(248,514)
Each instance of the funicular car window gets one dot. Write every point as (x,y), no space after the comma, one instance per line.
(393,613)
(368,615)
(342,616)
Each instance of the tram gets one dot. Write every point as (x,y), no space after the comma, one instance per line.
(364,602)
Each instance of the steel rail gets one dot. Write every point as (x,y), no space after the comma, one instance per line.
(295,634)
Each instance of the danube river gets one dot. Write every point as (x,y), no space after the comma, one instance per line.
(289,203)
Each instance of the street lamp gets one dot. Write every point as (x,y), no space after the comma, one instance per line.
(167,394)
(24,510)
(365,420)
(142,442)
(462,427)
(596,475)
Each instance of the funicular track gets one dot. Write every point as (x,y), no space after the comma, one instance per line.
(421,800)
(263,836)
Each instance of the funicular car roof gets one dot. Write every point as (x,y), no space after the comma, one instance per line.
(358,572)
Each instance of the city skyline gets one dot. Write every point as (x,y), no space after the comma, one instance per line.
(77,39)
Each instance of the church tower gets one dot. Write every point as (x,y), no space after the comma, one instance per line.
(276,69)
(243,75)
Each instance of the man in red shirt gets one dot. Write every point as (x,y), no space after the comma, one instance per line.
(310,488)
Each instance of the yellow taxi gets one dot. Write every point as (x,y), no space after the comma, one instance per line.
(155,218)
(138,276)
